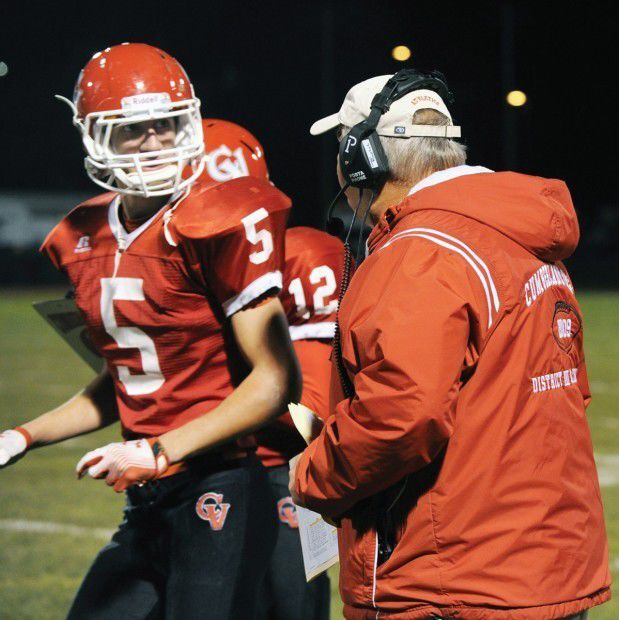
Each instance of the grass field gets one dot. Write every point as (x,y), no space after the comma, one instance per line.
(51,526)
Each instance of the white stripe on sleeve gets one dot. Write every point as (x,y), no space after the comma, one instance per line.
(267,281)
(463,250)
(326,329)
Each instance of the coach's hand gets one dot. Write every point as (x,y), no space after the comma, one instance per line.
(125,464)
(292,480)
(13,445)
(292,488)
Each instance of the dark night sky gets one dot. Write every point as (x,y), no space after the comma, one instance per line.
(277,66)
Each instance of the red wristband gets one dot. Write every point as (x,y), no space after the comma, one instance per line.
(26,434)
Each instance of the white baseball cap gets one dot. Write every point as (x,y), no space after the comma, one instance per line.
(397,121)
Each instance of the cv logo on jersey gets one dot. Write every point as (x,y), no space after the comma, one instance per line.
(210,507)
(223,164)
(287,512)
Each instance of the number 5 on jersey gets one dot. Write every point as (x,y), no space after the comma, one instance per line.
(255,236)
(130,289)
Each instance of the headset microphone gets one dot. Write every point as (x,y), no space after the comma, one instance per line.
(334,226)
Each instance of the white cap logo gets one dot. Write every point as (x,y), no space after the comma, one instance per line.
(432,101)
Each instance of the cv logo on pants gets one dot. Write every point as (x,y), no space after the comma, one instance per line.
(287,512)
(210,507)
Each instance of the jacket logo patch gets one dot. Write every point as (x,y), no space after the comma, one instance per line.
(566,325)
(210,507)
(83,245)
(287,512)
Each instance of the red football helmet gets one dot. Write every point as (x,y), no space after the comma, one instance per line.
(231,152)
(132,83)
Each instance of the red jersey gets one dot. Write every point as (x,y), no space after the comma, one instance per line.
(156,300)
(312,278)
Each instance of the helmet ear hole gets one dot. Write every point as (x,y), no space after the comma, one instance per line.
(248,147)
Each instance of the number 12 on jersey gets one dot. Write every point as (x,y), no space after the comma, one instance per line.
(324,276)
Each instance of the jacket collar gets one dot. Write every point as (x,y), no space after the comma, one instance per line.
(383,226)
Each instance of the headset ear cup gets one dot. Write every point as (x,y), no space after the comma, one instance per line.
(348,154)
(362,158)
(375,161)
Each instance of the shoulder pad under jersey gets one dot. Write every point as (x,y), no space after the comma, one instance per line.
(84,220)
(214,210)
(303,239)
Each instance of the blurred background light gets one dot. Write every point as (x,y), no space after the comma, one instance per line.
(401,53)
(516,98)
(4,69)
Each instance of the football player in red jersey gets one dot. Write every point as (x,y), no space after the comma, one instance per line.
(177,282)
(312,276)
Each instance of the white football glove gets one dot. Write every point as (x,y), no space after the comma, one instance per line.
(13,445)
(125,464)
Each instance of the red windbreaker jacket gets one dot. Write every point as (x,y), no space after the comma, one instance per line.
(462,469)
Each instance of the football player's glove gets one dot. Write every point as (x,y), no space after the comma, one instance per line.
(125,464)
(13,445)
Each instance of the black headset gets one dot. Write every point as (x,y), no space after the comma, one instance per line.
(363,164)
(362,158)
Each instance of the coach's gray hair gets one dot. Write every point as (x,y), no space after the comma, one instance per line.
(411,159)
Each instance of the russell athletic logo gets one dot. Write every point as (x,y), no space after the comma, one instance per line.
(210,507)
(287,512)
(83,245)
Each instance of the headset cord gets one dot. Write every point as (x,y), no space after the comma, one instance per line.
(345,382)
(361,231)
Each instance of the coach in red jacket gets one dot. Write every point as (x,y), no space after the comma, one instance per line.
(462,469)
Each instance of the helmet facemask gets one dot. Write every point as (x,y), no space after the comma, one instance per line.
(128,173)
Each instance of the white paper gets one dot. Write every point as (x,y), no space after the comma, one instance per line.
(318,543)
(64,316)
(303,419)
(318,538)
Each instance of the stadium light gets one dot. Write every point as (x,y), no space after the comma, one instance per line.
(4,69)
(516,98)
(401,53)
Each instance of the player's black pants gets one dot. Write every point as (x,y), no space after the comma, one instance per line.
(287,595)
(193,545)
